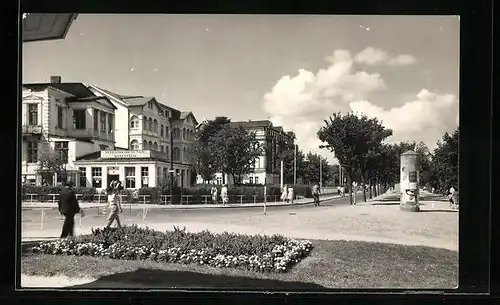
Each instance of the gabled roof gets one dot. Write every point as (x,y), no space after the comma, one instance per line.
(252,124)
(129,100)
(80,92)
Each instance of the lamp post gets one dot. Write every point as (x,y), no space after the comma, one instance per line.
(171,163)
(320,172)
(295,164)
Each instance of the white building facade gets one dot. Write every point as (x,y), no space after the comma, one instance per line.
(145,124)
(62,121)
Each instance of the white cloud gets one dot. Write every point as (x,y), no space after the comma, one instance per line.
(302,103)
(373,56)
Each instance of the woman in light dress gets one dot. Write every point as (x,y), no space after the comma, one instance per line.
(284,194)
(213,192)
(291,194)
(223,194)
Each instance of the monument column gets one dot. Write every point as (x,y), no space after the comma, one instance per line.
(409,178)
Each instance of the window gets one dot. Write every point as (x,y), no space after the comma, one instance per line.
(155,146)
(158,176)
(150,145)
(184,155)
(145,176)
(144,123)
(134,145)
(251,180)
(102,118)
(134,122)
(97,177)
(103,147)
(130,177)
(167,151)
(218,180)
(150,124)
(176,133)
(145,145)
(60,117)
(162,148)
(155,126)
(79,119)
(32,152)
(111,126)
(177,154)
(161,130)
(32,114)
(83,176)
(61,149)
(161,112)
(184,133)
(72,177)
(165,172)
(150,105)
(96,119)
(166,132)
(166,114)
(256,180)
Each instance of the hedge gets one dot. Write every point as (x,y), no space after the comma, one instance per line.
(260,253)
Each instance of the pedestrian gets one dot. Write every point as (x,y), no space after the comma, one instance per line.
(338,190)
(213,193)
(68,207)
(354,192)
(342,191)
(284,195)
(223,194)
(290,194)
(114,206)
(451,194)
(315,192)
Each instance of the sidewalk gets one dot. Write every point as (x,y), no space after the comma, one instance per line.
(87,205)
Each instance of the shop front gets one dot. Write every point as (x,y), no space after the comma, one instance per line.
(135,169)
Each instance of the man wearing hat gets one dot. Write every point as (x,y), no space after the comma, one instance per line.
(68,206)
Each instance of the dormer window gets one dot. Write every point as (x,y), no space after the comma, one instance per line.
(150,105)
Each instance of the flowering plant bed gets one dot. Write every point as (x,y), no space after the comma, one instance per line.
(259,253)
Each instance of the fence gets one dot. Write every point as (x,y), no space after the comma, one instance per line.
(163,199)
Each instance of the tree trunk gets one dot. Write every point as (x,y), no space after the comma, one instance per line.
(371,185)
(375,186)
(363,186)
(349,184)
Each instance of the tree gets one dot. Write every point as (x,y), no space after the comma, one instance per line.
(202,157)
(53,162)
(234,151)
(312,169)
(351,137)
(445,162)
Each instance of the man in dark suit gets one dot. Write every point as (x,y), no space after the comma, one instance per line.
(68,206)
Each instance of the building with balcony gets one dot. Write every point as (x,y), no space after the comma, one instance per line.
(273,140)
(61,122)
(145,126)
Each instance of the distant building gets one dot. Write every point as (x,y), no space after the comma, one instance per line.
(271,139)
(63,120)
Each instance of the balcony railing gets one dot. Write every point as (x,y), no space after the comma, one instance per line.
(32,129)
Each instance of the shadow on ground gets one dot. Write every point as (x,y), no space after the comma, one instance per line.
(439,211)
(153,278)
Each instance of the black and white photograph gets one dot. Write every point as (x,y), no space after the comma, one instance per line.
(233,151)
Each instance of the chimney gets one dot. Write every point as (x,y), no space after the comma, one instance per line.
(55,79)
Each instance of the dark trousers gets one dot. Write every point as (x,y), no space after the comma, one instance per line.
(316,199)
(68,225)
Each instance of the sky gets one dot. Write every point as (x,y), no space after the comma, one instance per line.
(295,70)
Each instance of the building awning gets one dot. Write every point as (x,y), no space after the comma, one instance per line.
(43,26)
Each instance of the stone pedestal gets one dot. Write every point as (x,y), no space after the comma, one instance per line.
(409,207)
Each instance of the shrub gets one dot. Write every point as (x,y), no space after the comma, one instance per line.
(260,253)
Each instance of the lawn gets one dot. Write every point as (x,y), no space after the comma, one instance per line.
(331,264)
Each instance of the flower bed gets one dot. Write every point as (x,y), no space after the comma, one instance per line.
(259,253)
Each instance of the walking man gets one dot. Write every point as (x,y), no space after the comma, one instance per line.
(451,194)
(213,192)
(315,192)
(68,207)
(223,194)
